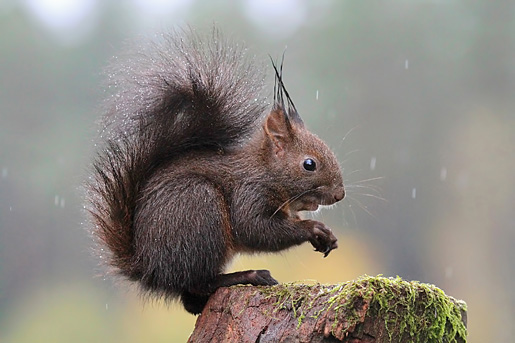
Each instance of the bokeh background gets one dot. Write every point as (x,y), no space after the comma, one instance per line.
(416,98)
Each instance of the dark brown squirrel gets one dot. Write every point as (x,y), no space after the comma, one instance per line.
(192,169)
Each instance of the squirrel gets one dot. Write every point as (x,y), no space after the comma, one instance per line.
(194,166)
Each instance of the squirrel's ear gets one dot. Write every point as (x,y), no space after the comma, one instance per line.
(278,130)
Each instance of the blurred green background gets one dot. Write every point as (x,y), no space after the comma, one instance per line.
(416,98)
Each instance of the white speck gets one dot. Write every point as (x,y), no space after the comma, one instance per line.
(406,64)
(414,193)
(316,95)
(449,271)
(443,174)
(373,163)
(463,180)
(4,172)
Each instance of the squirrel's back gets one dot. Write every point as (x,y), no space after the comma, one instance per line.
(181,92)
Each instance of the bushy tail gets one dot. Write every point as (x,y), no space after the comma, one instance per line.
(180,93)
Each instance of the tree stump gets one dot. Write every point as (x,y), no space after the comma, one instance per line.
(369,309)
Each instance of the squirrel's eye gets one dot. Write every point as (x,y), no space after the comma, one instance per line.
(309,164)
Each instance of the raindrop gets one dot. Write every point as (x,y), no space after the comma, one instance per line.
(373,163)
(449,271)
(62,203)
(406,64)
(316,95)
(443,174)
(414,193)
(463,180)
(4,172)
(56,200)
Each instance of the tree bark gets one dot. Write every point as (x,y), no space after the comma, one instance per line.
(369,309)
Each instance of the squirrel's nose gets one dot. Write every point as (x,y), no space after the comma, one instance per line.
(339,193)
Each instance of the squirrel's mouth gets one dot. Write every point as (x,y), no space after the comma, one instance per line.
(310,207)
(308,203)
(312,201)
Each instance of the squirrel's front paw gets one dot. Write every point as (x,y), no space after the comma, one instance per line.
(322,238)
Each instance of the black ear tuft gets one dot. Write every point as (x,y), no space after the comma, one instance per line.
(280,93)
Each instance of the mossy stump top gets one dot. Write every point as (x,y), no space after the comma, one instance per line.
(369,309)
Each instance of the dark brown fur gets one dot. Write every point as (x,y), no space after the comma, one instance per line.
(192,171)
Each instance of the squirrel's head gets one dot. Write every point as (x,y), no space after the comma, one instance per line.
(297,157)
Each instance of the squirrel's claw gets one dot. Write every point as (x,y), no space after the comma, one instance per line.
(323,239)
(329,249)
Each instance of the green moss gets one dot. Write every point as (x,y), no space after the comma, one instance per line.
(419,310)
